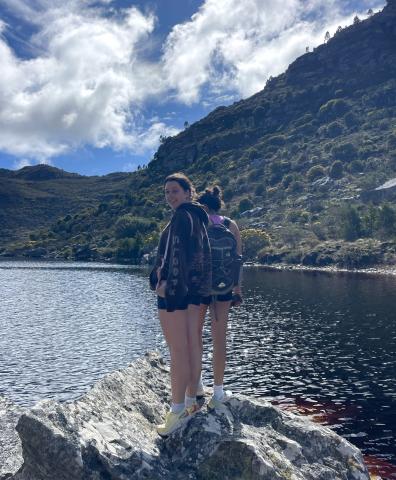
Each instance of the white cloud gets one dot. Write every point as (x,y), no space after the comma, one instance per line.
(88,82)
(88,88)
(148,140)
(23,162)
(231,45)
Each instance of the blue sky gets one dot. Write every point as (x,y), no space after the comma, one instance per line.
(90,85)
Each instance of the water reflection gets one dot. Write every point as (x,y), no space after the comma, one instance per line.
(323,344)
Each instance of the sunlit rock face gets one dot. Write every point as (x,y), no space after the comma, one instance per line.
(10,444)
(110,434)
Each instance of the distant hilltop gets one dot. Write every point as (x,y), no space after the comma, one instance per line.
(37,172)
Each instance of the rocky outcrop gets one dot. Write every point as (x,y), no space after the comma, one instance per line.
(385,192)
(10,444)
(110,434)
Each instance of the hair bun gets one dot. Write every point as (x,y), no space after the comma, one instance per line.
(216,191)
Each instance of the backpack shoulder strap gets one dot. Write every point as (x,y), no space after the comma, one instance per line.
(226,222)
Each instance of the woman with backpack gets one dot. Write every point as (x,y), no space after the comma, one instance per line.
(181,277)
(226,246)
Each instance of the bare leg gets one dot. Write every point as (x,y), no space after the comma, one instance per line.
(219,315)
(175,329)
(202,313)
(194,348)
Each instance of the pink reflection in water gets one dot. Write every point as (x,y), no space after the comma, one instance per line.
(331,413)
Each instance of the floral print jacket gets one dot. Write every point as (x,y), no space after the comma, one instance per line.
(187,266)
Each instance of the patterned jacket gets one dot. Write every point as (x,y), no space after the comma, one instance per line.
(187,266)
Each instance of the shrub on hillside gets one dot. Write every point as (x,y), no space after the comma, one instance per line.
(336,170)
(358,255)
(344,151)
(287,180)
(253,240)
(291,235)
(245,204)
(252,153)
(334,129)
(129,249)
(315,172)
(129,225)
(260,112)
(277,140)
(355,166)
(260,190)
(351,120)
(296,186)
(228,193)
(332,109)
(298,216)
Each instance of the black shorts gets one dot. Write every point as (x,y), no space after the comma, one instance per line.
(227,297)
(182,304)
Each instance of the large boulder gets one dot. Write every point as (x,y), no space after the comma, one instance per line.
(10,444)
(110,434)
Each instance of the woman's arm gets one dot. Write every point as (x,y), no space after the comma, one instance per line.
(237,234)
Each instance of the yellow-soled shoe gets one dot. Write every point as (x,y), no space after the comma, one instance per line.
(215,403)
(195,407)
(173,421)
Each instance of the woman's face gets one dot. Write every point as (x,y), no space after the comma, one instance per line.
(175,195)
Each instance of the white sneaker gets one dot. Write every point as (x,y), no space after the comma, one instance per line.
(215,402)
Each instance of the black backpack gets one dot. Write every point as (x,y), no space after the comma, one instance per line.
(224,255)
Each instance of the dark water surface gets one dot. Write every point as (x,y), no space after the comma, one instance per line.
(322,344)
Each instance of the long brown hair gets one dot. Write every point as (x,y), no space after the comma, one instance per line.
(183,181)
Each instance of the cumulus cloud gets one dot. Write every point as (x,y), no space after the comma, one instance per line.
(88,81)
(235,46)
(87,88)
(23,162)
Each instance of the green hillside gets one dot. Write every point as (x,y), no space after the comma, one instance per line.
(35,197)
(299,162)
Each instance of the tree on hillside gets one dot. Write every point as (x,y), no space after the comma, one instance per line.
(336,170)
(350,223)
(370,221)
(387,220)
(327,37)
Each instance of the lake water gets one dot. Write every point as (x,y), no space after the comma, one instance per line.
(321,344)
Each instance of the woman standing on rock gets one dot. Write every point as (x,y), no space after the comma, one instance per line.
(181,277)
(227,242)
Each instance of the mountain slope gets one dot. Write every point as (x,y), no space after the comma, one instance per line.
(35,197)
(293,160)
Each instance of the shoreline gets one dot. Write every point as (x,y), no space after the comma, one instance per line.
(375,270)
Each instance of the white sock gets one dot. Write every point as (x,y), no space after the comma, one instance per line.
(189,401)
(218,392)
(200,387)
(177,407)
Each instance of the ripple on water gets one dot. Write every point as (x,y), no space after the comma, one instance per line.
(322,344)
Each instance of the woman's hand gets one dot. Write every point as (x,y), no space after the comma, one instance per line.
(236,297)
